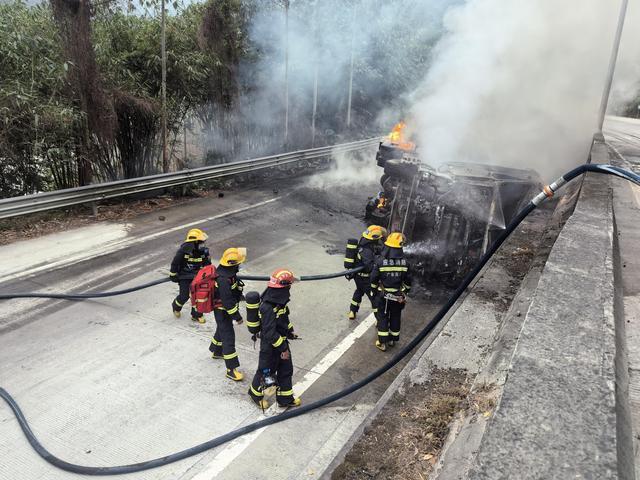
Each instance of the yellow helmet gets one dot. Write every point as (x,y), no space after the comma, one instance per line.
(374,232)
(196,235)
(395,240)
(233,256)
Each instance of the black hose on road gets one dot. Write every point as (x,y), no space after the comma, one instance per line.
(291,413)
(85,296)
(81,296)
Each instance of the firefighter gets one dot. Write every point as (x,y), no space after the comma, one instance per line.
(390,282)
(226,310)
(190,257)
(275,366)
(368,247)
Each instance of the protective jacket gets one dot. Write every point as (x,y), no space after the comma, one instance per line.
(273,321)
(391,273)
(189,258)
(228,291)
(366,256)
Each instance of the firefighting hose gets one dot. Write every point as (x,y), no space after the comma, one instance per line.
(547,192)
(85,296)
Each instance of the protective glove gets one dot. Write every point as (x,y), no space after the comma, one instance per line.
(237,319)
(349,276)
(174,278)
(292,336)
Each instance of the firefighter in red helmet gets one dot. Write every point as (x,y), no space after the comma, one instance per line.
(275,365)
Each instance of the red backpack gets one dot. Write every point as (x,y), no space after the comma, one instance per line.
(203,288)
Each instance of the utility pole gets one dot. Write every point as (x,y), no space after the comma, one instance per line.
(612,67)
(315,75)
(286,72)
(163,88)
(353,34)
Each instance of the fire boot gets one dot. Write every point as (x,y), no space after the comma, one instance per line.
(234,375)
(295,403)
(381,346)
(352,315)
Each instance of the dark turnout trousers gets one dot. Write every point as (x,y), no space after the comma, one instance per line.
(223,343)
(363,288)
(388,317)
(281,369)
(183,297)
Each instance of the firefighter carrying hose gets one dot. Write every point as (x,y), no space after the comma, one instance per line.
(390,281)
(226,310)
(190,257)
(367,249)
(275,366)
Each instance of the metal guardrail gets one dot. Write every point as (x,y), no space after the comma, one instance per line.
(38,202)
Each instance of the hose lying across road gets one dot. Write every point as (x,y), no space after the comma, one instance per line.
(85,296)
(291,413)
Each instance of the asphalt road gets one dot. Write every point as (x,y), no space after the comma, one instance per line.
(120,380)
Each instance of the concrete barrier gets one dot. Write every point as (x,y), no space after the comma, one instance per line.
(559,415)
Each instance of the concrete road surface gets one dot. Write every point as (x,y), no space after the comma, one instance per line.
(623,135)
(120,380)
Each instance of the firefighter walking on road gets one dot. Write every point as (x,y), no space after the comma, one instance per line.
(367,249)
(390,282)
(275,365)
(226,310)
(190,257)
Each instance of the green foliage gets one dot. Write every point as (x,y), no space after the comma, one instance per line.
(40,120)
(36,120)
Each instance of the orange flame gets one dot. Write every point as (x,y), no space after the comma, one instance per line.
(396,137)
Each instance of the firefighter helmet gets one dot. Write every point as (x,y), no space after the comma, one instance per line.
(281,278)
(233,256)
(395,240)
(374,232)
(196,235)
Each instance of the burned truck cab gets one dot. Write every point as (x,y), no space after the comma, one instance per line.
(450,214)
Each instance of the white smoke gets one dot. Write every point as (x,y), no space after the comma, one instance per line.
(519,82)
(353,169)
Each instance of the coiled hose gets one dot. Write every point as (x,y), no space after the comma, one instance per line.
(547,192)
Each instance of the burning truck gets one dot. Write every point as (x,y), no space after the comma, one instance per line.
(450,214)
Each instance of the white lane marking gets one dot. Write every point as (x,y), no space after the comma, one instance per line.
(119,245)
(226,456)
(634,188)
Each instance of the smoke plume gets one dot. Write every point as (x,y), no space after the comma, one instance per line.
(390,41)
(519,83)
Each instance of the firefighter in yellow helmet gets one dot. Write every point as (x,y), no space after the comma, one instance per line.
(226,310)
(190,257)
(390,282)
(368,247)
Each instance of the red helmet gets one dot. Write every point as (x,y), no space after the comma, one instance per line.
(281,278)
